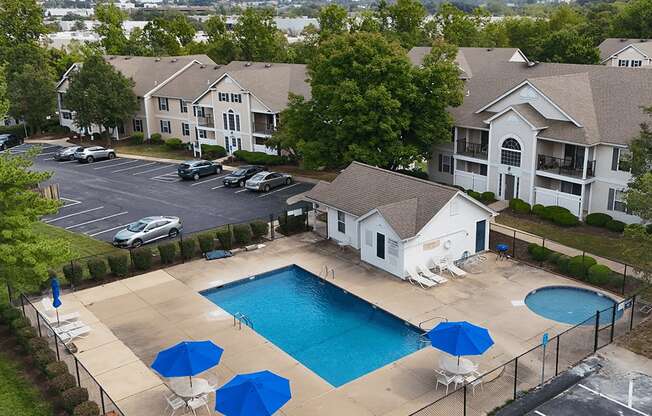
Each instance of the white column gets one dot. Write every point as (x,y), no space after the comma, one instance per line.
(586,162)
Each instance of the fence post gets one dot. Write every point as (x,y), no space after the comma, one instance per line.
(9,294)
(514,245)
(56,345)
(22,303)
(38,324)
(613,322)
(271,226)
(631,319)
(597,330)
(557,357)
(515,375)
(102,400)
(624,280)
(77,371)
(465,399)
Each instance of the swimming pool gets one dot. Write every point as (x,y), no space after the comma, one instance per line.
(332,332)
(571,305)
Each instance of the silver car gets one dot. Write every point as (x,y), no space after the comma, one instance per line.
(67,153)
(93,153)
(146,230)
(264,181)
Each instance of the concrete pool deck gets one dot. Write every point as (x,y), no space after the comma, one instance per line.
(134,318)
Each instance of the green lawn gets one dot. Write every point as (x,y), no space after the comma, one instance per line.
(600,242)
(17,395)
(81,245)
(152,151)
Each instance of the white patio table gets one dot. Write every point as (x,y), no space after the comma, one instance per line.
(181,387)
(449,364)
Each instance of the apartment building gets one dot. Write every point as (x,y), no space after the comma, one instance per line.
(550,134)
(626,53)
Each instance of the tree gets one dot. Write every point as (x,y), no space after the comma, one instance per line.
(406,19)
(100,95)
(168,35)
(221,46)
(21,22)
(332,20)
(457,27)
(634,20)
(257,36)
(567,46)
(25,255)
(4,100)
(110,31)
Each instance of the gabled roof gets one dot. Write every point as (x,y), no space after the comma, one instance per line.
(611,46)
(192,82)
(405,202)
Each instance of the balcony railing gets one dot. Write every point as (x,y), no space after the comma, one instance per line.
(263,129)
(206,121)
(565,166)
(477,150)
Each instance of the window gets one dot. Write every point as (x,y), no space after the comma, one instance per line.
(138,124)
(571,188)
(199,111)
(616,201)
(66,115)
(202,134)
(500,184)
(163,104)
(445,163)
(341,224)
(636,63)
(223,96)
(620,159)
(483,170)
(261,141)
(185,129)
(165,126)
(623,62)
(231,121)
(236,98)
(511,153)
(184,106)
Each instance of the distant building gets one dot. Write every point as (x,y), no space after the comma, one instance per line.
(626,53)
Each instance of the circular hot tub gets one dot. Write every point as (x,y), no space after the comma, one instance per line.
(571,305)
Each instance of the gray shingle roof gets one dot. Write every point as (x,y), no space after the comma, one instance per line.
(406,203)
(610,46)
(192,82)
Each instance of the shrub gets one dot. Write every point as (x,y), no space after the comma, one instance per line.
(86,409)
(289,224)
(206,242)
(566,219)
(188,248)
(142,258)
(167,251)
(156,139)
(537,252)
(226,239)
(97,269)
(62,383)
(211,151)
(563,263)
(9,314)
(553,257)
(174,144)
(259,229)
(578,266)
(37,344)
(599,274)
(25,335)
(242,234)
(552,211)
(43,357)
(648,228)
(473,194)
(119,265)
(519,206)
(53,370)
(538,210)
(72,397)
(598,219)
(74,273)
(19,323)
(488,197)
(415,173)
(18,130)
(615,226)
(260,158)
(138,137)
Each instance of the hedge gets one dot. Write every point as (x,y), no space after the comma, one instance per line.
(73,397)
(188,248)
(538,252)
(97,269)
(62,383)
(43,357)
(598,219)
(226,240)
(86,409)
(578,266)
(18,130)
(137,138)
(73,272)
(206,242)
(242,234)
(615,226)
(415,173)
(563,262)
(211,151)
(473,194)
(37,344)
(156,138)
(259,228)
(538,210)
(142,258)
(292,223)
(599,274)
(566,219)
(119,265)
(520,206)
(174,144)
(167,252)
(53,370)
(488,197)
(260,158)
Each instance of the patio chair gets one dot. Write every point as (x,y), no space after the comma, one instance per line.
(441,265)
(430,275)
(645,307)
(174,403)
(474,380)
(444,379)
(415,278)
(197,403)
(51,313)
(80,332)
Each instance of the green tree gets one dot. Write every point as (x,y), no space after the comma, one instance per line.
(25,255)
(21,22)
(332,20)
(634,20)
(168,35)
(100,95)
(221,46)
(406,19)
(257,36)
(4,100)
(112,35)
(567,46)
(457,27)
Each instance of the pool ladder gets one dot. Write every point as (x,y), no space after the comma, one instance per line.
(239,318)
(325,271)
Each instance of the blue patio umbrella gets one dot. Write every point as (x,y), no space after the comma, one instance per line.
(460,338)
(56,292)
(187,358)
(253,394)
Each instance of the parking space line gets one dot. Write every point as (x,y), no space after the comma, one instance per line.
(101,161)
(69,161)
(74,201)
(133,167)
(167,177)
(604,396)
(98,219)
(151,170)
(209,180)
(71,215)
(278,190)
(119,164)
(46,154)
(242,190)
(218,187)
(106,231)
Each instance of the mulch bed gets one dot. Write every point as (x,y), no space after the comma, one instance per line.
(639,340)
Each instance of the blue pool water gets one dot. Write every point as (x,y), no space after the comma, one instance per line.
(571,305)
(337,335)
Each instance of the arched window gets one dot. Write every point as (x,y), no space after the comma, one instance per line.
(511,153)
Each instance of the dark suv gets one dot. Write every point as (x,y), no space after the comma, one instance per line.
(9,140)
(195,169)
(241,175)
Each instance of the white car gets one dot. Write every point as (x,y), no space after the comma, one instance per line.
(146,230)
(93,153)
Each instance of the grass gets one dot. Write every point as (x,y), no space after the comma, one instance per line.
(17,395)
(80,245)
(152,150)
(593,240)
(639,340)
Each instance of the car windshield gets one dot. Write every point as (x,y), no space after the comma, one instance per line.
(239,172)
(137,226)
(184,166)
(258,177)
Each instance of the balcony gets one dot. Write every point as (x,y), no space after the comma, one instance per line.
(548,197)
(206,121)
(263,124)
(475,150)
(565,166)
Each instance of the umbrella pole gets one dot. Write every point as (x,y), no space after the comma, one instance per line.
(58,323)
(191,382)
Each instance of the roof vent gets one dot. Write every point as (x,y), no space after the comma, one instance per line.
(268,65)
(127,58)
(157,60)
(217,66)
(643,40)
(202,66)
(248,64)
(623,39)
(531,64)
(174,59)
(111,57)
(490,49)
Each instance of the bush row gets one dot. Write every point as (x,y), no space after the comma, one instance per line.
(210,151)
(260,158)
(555,214)
(598,219)
(484,197)
(61,384)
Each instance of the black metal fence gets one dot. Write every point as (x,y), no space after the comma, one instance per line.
(536,366)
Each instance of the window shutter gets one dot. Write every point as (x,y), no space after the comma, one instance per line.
(441,162)
(614,158)
(610,201)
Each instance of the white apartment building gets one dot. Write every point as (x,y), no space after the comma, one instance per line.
(550,134)
(626,53)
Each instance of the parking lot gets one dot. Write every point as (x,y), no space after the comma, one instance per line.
(102,197)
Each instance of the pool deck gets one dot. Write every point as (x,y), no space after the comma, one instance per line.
(134,318)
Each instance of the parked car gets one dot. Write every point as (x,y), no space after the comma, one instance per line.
(195,169)
(67,153)
(240,176)
(9,140)
(93,153)
(264,181)
(146,230)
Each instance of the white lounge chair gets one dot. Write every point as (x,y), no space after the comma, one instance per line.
(415,278)
(430,275)
(453,268)
(80,332)
(67,327)
(51,313)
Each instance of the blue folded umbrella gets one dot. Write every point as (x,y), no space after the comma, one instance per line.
(253,394)
(187,358)
(460,338)
(56,292)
